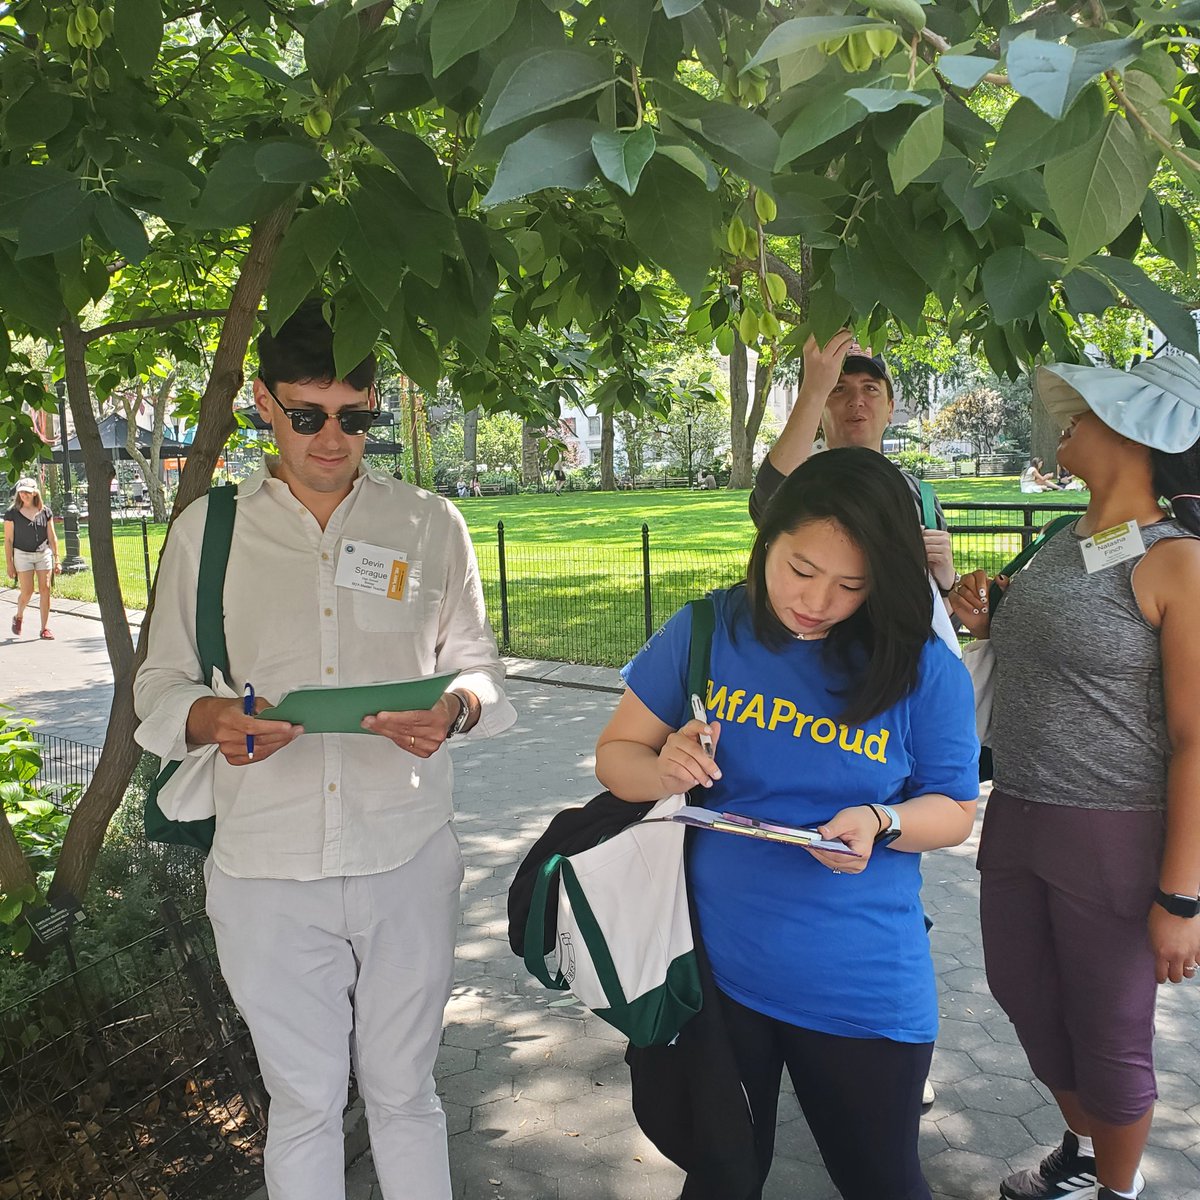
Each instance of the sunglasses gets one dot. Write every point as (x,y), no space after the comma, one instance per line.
(308,421)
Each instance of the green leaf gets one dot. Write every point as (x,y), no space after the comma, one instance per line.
(1086,293)
(555,155)
(622,156)
(872,271)
(884,99)
(691,160)
(802,32)
(23,188)
(1053,74)
(543,82)
(317,233)
(1168,312)
(460,27)
(61,219)
(414,161)
(234,192)
(293,280)
(123,229)
(356,329)
(742,140)
(1028,138)
(138,33)
(673,220)
(629,23)
(798,68)
(826,116)
(1097,189)
(964,70)
(290,162)
(417,355)
(268,70)
(37,116)
(1176,241)
(330,44)
(679,8)
(1015,283)
(918,149)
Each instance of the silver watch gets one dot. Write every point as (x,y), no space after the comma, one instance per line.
(464,713)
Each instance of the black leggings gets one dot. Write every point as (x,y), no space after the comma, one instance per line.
(861,1098)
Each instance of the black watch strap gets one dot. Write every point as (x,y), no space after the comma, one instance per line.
(1176,905)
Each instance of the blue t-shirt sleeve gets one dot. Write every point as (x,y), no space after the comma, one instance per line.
(944,748)
(657,676)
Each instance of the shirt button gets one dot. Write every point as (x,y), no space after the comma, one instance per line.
(329,612)
(328,670)
(333,787)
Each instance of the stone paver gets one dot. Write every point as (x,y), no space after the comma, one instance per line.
(535,1089)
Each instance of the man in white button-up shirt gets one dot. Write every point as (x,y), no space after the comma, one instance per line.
(334,874)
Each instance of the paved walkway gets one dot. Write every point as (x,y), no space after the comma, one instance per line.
(535,1090)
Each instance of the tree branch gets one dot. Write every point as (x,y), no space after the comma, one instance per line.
(165,321)
(1157,138)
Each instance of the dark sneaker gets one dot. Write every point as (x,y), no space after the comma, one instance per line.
(1104,1193)
(1064,1174)
(16,625)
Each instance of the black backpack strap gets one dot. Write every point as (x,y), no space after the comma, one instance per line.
(210,586)
(704,619)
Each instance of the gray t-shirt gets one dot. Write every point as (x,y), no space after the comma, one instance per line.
(1078,715)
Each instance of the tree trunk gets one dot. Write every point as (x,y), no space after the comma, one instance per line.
(150,465)
(1045,437)
(121,754)
(531,464)
(608,476)
(742,468)
(471,439)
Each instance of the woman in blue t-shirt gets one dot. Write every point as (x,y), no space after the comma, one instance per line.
(829,705)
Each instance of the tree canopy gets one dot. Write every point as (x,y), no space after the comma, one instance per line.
(484,184)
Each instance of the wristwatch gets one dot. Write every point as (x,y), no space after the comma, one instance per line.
(885,837)
(464,714)
(1176,905)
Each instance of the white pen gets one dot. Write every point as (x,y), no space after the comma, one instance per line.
(700,715)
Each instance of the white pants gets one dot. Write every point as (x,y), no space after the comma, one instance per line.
(315,966)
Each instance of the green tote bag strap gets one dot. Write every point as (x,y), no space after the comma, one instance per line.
(996,594)
(928,505)
(210,645)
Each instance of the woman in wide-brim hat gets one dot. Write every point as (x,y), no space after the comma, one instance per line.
(31,549)
(1090,852)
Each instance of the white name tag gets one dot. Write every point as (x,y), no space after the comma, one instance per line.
(1112,546)
(374,569)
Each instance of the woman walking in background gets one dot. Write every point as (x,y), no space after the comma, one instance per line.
(1090,851)
(31,548)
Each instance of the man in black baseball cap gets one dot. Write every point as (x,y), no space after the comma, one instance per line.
(847,392)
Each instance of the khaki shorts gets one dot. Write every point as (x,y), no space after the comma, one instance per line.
(33,560)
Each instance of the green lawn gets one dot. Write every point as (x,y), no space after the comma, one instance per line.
(574,563)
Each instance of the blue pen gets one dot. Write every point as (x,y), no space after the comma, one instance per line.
(248,709)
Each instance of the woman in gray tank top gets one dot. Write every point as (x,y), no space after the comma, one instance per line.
(1090,852)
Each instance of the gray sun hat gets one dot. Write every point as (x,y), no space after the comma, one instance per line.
(1156,403)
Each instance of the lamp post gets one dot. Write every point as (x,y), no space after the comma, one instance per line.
(73,561)
(688,426)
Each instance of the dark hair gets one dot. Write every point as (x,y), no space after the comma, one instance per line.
(878,649)
(302,351)
(1177,479)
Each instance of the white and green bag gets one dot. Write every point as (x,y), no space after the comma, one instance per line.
(624,930)
(623,934)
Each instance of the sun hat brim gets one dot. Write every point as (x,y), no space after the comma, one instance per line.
(1156,403)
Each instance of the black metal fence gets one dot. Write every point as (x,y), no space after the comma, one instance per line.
(66,763)
(131,1077)
(598,605)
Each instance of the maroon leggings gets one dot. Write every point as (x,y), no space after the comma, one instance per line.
(1064,898)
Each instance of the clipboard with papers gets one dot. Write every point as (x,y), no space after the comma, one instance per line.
(342,709)
(766,831)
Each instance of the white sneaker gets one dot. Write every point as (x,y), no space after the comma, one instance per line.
(928,1096)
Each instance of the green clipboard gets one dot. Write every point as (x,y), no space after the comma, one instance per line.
(341,710)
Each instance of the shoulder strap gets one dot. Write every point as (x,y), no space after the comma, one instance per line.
(1023,558)
(210,585)
(928,505)
(704,619)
